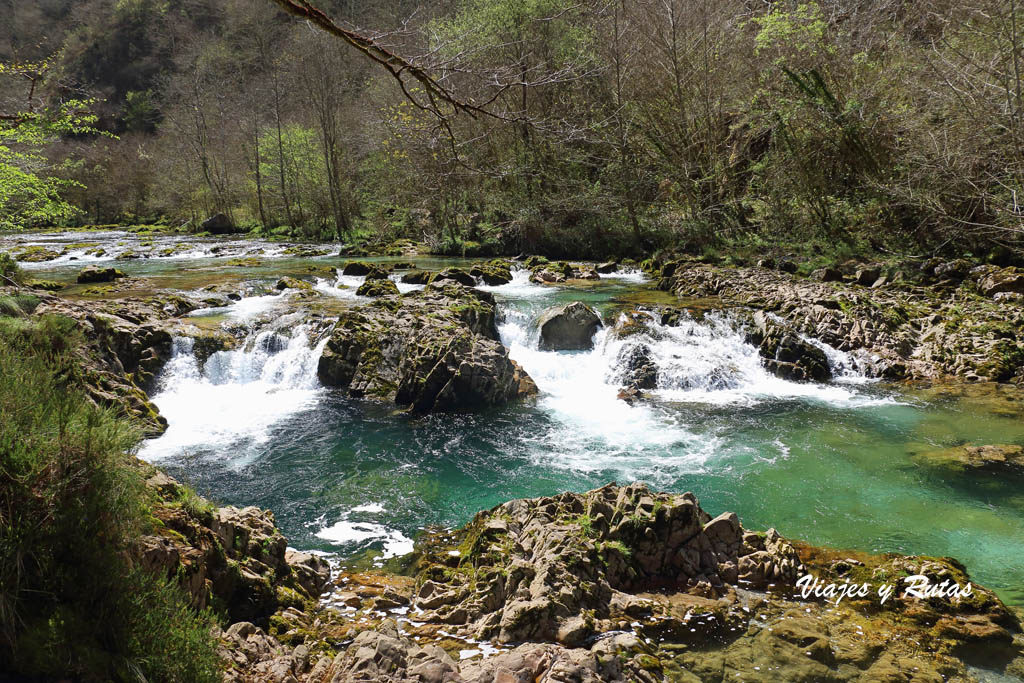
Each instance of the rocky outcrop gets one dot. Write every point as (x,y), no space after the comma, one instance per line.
(897,331)
(233,558)
(560,568)
(128,342)
(784,353)
(568,327)
(432,350)
(624,584)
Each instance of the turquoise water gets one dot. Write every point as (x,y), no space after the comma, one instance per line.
(829,464)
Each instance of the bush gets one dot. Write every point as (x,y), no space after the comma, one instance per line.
(9,269)
(71,503)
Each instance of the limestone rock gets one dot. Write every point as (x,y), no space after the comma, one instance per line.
(374,288)
(433,350)
(567,327)
(785,354)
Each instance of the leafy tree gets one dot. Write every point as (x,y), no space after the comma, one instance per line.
(30,192)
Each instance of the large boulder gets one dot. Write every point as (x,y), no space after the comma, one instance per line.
(555,568)
(432,350)
(784,352)
(92,275)
(218,224)
(568,327)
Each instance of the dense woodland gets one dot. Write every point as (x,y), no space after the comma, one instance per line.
(592,127)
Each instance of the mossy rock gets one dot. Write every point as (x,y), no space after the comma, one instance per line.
(376,288)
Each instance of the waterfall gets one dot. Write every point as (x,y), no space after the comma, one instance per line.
(236,397)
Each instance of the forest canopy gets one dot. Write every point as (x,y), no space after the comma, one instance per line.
(594,127)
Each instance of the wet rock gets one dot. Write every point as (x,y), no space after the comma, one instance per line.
(455,275)
(545,276)
(607,267)
(359,268)
(630,394)
(375,288)
(785,354)
(433,350)
(637,367)
(493,273)
(417,277)
(92,275)
(568,327)
(293,283)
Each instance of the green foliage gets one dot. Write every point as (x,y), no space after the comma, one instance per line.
(9,270)
(70,504)
(30,194)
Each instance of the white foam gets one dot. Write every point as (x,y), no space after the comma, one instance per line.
(344,532)
(237,397)
(519,288)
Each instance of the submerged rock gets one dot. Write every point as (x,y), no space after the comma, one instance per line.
(92,274)
(994,458)
(433,350)
(568,327)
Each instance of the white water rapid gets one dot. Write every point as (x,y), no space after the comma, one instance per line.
(237,396)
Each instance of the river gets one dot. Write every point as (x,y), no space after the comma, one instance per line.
(831,464)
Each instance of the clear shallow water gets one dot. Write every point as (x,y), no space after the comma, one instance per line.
(829,464)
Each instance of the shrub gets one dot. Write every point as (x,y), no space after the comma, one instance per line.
(71,503)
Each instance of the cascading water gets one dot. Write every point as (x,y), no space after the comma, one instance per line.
(237,396)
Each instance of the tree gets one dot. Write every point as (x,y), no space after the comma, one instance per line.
(30,194)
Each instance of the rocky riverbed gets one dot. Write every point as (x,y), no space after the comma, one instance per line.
(619,583)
